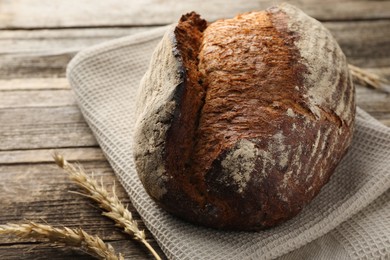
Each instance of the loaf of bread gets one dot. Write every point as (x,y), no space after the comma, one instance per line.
(242,121)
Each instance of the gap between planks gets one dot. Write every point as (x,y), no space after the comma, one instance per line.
(46,53)
(75,13)
(81,154)
(34,84)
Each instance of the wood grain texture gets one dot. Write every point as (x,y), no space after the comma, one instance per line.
(43,127)
(45,53)
(366,44)
(79,154)
(43,251)
(373,101)
(38,114)
(34,84)
(63,126)
(74,13)
(33,98)
(22,190)
(59,40)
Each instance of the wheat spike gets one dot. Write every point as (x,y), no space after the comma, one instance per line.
(115,210)
(70,237)
(365,77)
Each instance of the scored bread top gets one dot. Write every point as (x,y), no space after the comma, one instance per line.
(242,121)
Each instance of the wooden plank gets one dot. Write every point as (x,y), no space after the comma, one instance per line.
(34,65)
(365,44)
(59,40)
(34,84)
(40,193)
(36,98)
(46,136)
(35,125)
(46,187)
(43,251)
(43,127)
(40,116)
(45,53)
(87,13)
(383,117)
(373,101)
(40,251)
(80,154)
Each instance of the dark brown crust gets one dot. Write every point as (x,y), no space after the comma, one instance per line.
(242,88)
(183,197)
(189,95)
(237,118)
(251,78)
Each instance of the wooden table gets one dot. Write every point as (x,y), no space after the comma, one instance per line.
(38,113)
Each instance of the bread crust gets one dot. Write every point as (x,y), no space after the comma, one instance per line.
(157,102)
(247,134)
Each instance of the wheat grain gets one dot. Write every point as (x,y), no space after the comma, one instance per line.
(70,237)
(115,210)
(365,77)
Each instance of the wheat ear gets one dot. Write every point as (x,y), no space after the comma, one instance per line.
(115,210)
(71,237)
(366,78)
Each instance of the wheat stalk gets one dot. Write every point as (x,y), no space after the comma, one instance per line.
(366,78)
(71,237)
(115,210)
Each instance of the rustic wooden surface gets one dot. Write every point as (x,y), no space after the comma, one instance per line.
(38,113)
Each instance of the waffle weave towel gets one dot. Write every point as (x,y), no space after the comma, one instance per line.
(349,219)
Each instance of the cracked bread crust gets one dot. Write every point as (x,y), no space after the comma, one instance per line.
(243,120)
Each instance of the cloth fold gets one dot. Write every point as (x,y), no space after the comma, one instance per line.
(349,219)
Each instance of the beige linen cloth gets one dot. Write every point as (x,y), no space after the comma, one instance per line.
(349,219)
